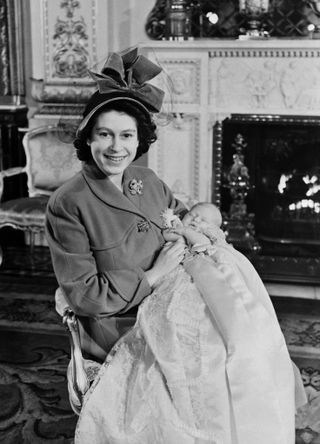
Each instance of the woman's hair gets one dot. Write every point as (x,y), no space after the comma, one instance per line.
(146,127)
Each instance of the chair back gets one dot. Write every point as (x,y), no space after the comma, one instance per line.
(50,159)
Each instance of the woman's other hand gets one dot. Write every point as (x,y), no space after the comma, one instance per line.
(169,257)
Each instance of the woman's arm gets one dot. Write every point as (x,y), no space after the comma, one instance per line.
(110,291)
(89,292)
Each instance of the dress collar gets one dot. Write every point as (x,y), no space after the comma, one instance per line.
(106,191)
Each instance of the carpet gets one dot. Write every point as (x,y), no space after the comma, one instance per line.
(300,322)
(34,354)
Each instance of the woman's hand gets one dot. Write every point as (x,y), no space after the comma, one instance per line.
(170,235)
(169,257)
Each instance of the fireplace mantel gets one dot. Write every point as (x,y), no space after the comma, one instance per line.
(207,81)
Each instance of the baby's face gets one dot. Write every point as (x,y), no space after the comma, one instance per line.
(198,216)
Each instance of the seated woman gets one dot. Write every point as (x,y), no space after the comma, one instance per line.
(103,226)
(206,361)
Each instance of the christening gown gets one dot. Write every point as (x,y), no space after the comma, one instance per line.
(206,362)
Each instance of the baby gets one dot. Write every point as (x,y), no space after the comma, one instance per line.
(199,228)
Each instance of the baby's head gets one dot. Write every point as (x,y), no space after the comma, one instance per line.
(203,212)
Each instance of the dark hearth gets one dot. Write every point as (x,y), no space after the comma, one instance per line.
(282,156)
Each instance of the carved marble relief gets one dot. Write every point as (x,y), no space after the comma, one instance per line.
(266,82)
(179,163)
(180,80)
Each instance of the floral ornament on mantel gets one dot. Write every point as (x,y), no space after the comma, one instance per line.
(135,186)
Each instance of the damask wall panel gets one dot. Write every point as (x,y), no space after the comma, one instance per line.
(72,39)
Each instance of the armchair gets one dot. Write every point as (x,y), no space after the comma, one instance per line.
(49,163)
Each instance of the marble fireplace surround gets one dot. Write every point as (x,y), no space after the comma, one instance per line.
(207,81)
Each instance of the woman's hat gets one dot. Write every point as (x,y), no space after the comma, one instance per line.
(123,78)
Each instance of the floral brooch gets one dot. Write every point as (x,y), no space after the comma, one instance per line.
(169,219)
(135,186)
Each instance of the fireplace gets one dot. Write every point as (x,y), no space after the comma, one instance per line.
(282,158)
(268,92)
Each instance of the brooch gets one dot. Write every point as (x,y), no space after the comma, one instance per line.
(169,219)
(143,226)
(135,186)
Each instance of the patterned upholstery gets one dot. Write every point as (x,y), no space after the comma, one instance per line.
(49,162)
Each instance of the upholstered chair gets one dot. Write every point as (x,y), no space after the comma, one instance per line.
(50,161)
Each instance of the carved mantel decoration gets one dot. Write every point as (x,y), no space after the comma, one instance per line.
(279,80)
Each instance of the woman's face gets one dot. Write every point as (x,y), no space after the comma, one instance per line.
(114,142)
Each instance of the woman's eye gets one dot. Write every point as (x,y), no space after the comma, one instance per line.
(104,134)
(127,135)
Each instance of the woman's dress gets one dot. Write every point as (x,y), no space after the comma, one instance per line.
(206,362)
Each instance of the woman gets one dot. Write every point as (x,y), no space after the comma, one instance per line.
(103,227)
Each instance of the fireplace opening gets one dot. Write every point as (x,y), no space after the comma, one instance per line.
(282,158)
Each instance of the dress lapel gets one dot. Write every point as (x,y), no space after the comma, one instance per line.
(141,200)
(106,191)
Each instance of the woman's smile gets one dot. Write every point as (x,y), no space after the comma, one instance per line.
(115,159)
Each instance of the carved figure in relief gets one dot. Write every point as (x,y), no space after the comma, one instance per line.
(224,83)
(261,83)
(288,85)
(309,98)
(179,81)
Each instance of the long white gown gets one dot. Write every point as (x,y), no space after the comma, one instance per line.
(206,362)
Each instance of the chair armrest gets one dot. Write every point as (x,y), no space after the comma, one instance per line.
(81,372)
(79,379)
(8,173)
(12,171)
